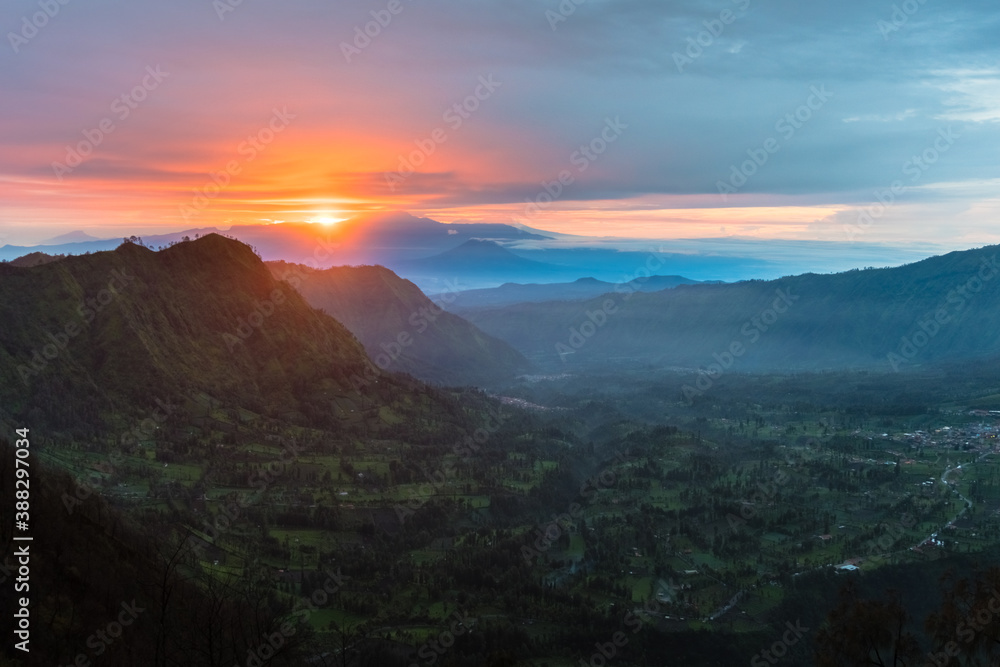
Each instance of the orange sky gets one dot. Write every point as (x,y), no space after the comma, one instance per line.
(495,105)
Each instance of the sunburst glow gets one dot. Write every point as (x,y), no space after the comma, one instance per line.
(326,220)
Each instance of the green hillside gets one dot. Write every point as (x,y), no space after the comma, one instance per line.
(88,340)
(401,328)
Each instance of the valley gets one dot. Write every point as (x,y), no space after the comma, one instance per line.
(517,528)
(392,522)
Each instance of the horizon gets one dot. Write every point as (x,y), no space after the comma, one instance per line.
(749,258)
(863,126)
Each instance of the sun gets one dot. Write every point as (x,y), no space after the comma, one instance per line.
(326,220)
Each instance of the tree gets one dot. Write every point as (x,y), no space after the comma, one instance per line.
(967,627)
(866,632)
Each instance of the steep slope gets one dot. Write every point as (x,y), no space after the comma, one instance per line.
(87,337)
(401,328)
(95,568)
(942,308)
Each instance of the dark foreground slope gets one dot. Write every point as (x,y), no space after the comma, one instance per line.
(191,397)
(402,329)
(941,309)
(90,338)
(108,588)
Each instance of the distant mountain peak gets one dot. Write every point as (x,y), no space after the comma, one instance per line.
(378,237)
(390,220)
(484,253)
(78,236)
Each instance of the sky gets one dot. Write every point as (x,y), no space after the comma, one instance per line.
(855,122)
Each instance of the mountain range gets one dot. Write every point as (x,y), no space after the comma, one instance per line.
(411,245)
(367,238)
(943,308)
(92,338)
(176,381)
(478,263)
(578,290)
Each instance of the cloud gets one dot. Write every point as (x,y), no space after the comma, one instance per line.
(687,129)
(972,95)
(882,118)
